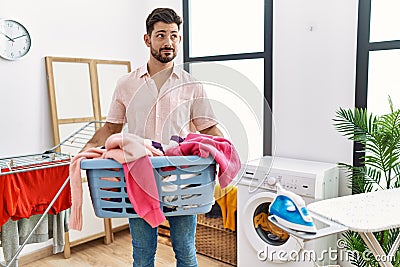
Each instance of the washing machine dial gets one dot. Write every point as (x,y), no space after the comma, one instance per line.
(271,180)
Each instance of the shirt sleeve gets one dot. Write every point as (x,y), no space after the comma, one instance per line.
(202,114)
(116,113)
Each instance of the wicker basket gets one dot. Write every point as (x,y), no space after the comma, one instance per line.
(214,241)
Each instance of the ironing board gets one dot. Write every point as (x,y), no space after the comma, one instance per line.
(363,213)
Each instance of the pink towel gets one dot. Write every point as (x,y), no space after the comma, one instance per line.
(219,148)
(75,221)
(142,190)
(132,152)
(126,147)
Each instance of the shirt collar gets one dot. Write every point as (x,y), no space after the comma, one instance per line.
(143,71)
(177,71)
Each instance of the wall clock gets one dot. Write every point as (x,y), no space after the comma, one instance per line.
(15,40)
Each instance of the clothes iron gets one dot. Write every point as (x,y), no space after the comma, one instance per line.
(289,210)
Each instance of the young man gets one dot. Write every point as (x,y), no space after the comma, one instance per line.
(156,101)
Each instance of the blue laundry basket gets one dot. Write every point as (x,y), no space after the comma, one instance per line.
(188,189)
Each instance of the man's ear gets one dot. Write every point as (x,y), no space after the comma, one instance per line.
(146,38)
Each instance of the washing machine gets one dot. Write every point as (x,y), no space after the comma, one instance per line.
(259,243)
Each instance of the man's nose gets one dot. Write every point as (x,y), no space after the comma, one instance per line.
(168,41)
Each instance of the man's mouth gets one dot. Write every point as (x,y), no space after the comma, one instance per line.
(167,50)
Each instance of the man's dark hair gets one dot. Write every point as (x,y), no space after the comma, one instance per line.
(165,15)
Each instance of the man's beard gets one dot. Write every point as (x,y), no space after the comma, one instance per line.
(163,58)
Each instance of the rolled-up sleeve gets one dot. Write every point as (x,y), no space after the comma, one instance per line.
(117,111)
(202,114)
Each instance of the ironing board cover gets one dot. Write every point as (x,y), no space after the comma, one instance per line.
(367,212)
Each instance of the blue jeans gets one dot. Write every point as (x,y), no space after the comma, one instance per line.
(182,232)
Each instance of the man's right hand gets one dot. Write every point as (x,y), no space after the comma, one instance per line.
(101,135)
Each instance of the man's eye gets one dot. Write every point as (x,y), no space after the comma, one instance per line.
(160,35)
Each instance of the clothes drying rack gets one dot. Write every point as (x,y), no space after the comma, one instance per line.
(59,155)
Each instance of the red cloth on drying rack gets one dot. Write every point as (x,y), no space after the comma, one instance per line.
(9,198)
(29,193)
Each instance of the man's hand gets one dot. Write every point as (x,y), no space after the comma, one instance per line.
(101,135)
(213,130)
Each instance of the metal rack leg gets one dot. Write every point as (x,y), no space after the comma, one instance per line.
(376,249)
(395,246)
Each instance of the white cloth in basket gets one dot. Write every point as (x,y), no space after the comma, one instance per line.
(173,187)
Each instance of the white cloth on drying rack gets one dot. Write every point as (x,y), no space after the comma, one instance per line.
(14,233)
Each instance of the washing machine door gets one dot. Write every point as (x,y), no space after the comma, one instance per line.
(270,242)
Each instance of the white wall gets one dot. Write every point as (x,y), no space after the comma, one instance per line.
(91,29)
(314,75)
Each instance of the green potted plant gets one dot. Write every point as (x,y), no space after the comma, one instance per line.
(379,137)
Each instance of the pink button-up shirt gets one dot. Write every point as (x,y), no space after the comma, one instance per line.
(179,107)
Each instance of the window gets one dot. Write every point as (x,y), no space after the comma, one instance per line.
(220,27)
(378,57)
(228,47)
(383,80)
(385,20)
